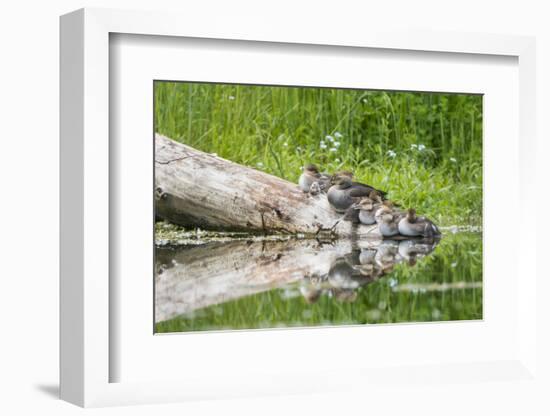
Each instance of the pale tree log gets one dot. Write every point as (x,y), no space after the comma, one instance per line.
(194,188)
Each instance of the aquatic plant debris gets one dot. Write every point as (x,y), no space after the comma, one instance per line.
(168,234)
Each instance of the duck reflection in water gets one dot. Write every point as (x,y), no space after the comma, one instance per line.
(362,266)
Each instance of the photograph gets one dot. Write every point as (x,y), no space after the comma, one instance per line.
(298,206)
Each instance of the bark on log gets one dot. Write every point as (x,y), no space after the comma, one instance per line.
(194,188)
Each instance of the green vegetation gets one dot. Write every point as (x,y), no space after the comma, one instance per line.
(424,148)
(457,260)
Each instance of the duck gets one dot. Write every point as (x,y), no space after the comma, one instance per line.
(350,176)
(367,207)
(310,175)
(346,173)
(343,194)
(412,225)
(387,218)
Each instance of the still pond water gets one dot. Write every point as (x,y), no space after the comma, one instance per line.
(304,283)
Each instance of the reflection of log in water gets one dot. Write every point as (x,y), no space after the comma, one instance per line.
(206,275)
(193,278)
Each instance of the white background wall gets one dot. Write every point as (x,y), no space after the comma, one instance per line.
(29,57)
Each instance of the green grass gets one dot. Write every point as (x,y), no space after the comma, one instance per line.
(424,148)
(457,259)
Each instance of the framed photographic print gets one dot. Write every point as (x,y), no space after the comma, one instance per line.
(245,215)
(251,233)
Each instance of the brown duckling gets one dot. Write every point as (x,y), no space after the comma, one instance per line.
(412,225)
(310,175)
(367,208)
(387,218)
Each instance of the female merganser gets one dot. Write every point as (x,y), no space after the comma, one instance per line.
(343,194)
(349,175)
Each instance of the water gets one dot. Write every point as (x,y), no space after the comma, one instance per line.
(304,283)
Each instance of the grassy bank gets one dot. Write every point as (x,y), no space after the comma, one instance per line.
(424,148)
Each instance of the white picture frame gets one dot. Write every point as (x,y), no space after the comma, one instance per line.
(86,291)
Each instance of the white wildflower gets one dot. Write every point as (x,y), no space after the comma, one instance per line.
(231,98)
(338,135)
(333,149)
(414,146)
(336,144)
(421,147)
(323,145)
(329,138)
(391,153)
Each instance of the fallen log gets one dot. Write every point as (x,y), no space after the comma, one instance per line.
(198,189)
